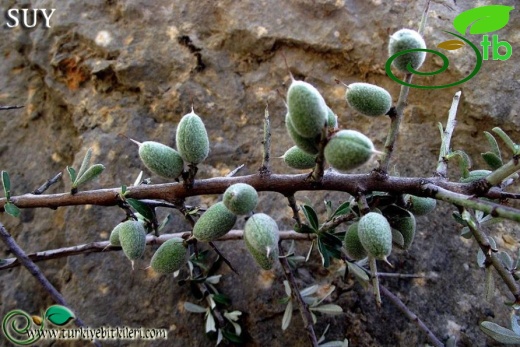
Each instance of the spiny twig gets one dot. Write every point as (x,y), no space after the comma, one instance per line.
(442,166)
(47,184)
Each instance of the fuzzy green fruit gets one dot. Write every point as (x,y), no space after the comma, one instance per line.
(214,223)
(132,237)
(114,236)
(353,246)
(298,159)
(402,40)
(169,257)
(405,225)
(309,145)
(161,159)
(261,239)
(419,206)
(240,198)
(375,235)
(368,99)
(307,109)
(192,139)
(348,149)
(475,175)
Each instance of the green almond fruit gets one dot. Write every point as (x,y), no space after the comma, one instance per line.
(375,235)
(402,40)
(353,246)
(192,139)
(169,257)
(261,237)
(216,222)
(348,149)
(296,158)
(419,206)
(475,175)
(405,225)
(132,237)
(309,145)
(332,119)
(368,99)
(114,236)
(307,109)
(160,159)
(240,198)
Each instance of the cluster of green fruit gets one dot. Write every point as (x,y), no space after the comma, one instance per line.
(374,233)
(308,114)
(260,232)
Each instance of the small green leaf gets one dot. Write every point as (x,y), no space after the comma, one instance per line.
(493,144)
(458,218)
(304,229)
(85,164)
(507,140)
(483,19)
(325,256)
(328,208)
(441,130)
(145,210)
(499,333)
(123,190)
(210,322)
(506,260)
(311,216)
(190,307)
(331,240)
(359,273)
(72,173)
(59,315)
(493,161)
(344,208)
(91,173)
(309,290)
(463,159)
(481,258)
(12,209)
(231,337)
(287,288)
(397,237)
(6,182)
(466,233)
(221,298)
(287,316)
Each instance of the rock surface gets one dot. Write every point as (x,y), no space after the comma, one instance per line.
(135,67)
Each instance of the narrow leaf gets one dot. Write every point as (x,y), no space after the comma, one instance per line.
(358,272)
(91,173)
(304,229)
(213,279)
(309,252)
(145,210)
(466,233)
(287,316)
(232,337)
(6,182)
(12,209)
(481,258)
(344,208)
(493,144)
(72,173)
(514,323)
(221,298)
(309,290)
(322,337)
(287,286)
(483,19)
(441,130)
(311,216)
(165,221)
(210,322)
(331,240)
(85,164)
(330,309)
(138,179)
(507,140)
(451,45)
(325,256)
(463,159)
(328,208)
(493,161)
(499,333)
(123,190)
(397,238)
(506,260)
(190,307)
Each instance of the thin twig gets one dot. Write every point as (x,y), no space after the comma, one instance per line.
(295,209)
(3,108)
(336,221)
(104,246)
(36,272)
(235,171)
(228,263)
(422,25)
(491,258)
(375,280)
(411,316)
(47,184)
(265,168)
(303,308)
(442,166)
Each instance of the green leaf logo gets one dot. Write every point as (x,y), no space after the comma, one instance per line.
(482,20)
(59,315)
